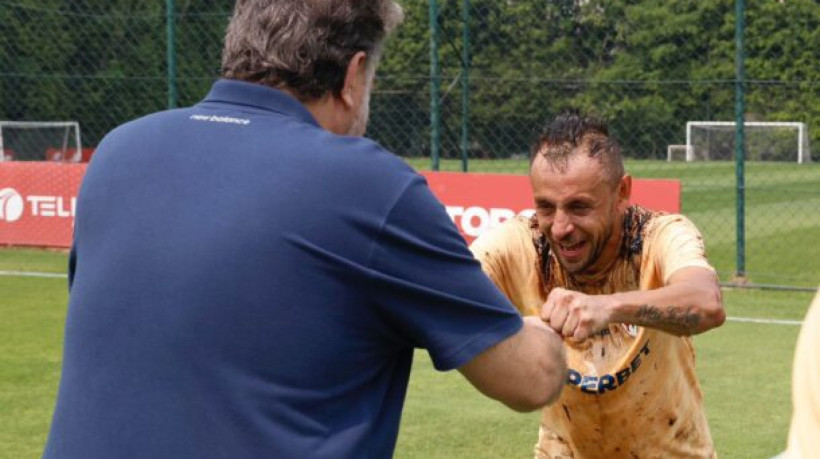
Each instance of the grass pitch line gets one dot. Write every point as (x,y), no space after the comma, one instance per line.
(765,321)
(33,274)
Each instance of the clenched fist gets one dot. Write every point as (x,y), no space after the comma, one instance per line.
(575,314)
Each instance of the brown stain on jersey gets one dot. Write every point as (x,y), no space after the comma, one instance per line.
(685,432)
(592,441)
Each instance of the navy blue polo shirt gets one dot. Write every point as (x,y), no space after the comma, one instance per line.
(245,284)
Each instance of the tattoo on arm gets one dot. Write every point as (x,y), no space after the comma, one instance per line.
(671,318)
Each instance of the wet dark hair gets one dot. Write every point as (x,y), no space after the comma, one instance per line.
(571,133)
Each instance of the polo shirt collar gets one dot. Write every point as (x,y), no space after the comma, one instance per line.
(259,96)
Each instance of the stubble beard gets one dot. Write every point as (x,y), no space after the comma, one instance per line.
(596,249)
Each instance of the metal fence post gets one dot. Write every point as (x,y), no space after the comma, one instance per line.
(740,150)
(435,78)
(465,84)
(170,52)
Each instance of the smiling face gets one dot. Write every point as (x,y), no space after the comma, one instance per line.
(579,209)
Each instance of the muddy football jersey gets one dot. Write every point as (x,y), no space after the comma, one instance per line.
(631,391)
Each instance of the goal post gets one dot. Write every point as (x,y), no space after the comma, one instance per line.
(765,141)
(40,141)
(678,153)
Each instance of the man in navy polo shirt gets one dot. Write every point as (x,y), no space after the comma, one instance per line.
(249,276)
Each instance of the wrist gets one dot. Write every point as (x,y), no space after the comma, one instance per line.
(615,309)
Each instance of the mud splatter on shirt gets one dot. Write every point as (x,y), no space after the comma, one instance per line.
(631,391)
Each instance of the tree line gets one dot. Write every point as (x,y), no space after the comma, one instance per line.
(647,66)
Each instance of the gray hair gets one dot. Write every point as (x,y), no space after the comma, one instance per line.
(305,46)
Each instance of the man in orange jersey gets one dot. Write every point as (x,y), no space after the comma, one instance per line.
(625,286)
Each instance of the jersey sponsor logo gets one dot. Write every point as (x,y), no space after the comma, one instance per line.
(474,220)
(608,382)
(11,205)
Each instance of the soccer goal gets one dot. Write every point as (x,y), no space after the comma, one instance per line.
(678,153)
(40,141)
(765,141)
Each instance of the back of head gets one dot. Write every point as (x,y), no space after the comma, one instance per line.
(572,133)
(305,46)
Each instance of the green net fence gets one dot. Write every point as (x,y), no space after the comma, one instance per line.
(497,70)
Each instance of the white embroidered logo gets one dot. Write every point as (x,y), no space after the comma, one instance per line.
(221,119)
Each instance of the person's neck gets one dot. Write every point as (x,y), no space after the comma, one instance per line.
(326,110)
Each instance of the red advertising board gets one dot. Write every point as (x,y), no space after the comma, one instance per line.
(70,155)
(38,200)
(477,202)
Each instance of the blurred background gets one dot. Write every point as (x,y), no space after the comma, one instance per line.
(465,85)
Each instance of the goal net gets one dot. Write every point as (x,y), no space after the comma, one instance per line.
(678,153)
(40,141)
(765,141)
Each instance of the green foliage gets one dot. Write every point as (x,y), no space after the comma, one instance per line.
(783,39)
(648,66)
(103,62)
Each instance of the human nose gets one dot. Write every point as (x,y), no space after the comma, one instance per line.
(561,225)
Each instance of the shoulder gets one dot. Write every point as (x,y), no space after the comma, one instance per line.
(165,118)
(374,154)
(514,236)
(359,158)
(136,135)
(673,242)
(665,226)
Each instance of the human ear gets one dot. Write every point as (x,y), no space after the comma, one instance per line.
(355,80)
(624,190)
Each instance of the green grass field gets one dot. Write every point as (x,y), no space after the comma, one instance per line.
(782,212)
(745,370)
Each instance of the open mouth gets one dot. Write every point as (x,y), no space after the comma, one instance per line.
(571,250)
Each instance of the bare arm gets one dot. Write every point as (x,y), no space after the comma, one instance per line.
(525,372)
(690,303)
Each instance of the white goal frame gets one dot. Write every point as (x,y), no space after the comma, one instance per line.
(802,133)
(46,124)
(670,148)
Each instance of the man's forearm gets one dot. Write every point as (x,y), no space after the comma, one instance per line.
(684,308)
(525,372)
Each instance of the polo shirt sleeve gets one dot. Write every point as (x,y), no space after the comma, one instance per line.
(430,289)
